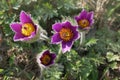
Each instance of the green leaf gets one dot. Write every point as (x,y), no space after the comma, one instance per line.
(113,65)
(111,57)
(91,42)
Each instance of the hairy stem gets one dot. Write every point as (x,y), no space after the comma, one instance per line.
(82,40)
(59,54)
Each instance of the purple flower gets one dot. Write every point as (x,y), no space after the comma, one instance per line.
(85,19)
(45,58)
(25,30)
(65,34)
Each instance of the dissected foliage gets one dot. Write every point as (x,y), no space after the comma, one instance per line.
(98,59)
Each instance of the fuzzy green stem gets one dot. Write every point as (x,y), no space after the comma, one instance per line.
(82,40)
(59,54)
(41,73)
(43,36)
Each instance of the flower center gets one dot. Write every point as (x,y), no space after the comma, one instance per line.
(27,29)
(66,34)
(45,59)
(83,23)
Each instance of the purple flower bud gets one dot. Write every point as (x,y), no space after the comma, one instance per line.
(45,58)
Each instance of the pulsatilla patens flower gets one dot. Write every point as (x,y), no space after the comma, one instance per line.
(66,34)
(85,19)
(25,30)
(45,58)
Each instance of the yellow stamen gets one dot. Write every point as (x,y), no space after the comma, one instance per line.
(45,59)
(83,23)
(27,29)
(66,34)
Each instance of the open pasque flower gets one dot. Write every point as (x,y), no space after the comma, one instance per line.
(85,19)
(66,34)
(25,30)
(45,58)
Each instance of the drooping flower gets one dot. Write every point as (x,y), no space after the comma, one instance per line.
(85,19)
(65,34)
(46,58)
(25,30)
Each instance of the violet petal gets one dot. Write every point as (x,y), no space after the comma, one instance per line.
(57,27)
(53,55)
(18,37)
(76,35)
(66,46)
(66,24)
(55,38)
(25,18)
(83,14)
(90,16)
(16,27)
